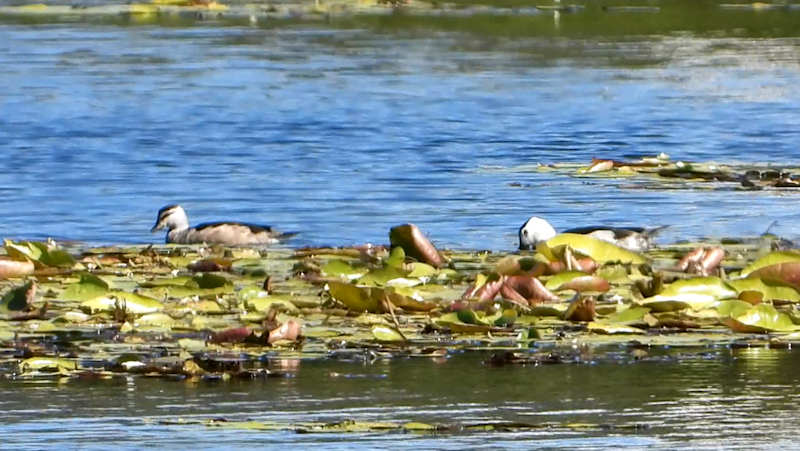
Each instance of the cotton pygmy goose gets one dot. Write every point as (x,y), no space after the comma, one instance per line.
(174,219)
(637,239)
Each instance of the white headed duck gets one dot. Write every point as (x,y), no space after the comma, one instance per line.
(637,239)
(174,219)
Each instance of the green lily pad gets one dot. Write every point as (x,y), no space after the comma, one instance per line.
(387,333)
(379,277)
(419,427)
(627,316)
(41,253)
(761,318)
(340,268)
(157,319)
(89,287)
(355,298)
(695,301)
(773,258)
(48,365)
(770,291)
(21,251)
(267,302)
(608,328)
(711,286)
(132,302)
(598,250)
(52,256)
(454,322)
(396,258)
(732,308)
(421,270)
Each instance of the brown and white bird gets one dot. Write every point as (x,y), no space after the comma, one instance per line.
(174,219)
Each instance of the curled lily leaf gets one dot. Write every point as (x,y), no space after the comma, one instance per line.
(531,289)
(581,309)
(233,335)
(586,283)
(10,268)
(786,273)
(415,244)
(289,330)
(773,258)
(702,261)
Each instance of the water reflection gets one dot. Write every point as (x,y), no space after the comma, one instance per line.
(742,396)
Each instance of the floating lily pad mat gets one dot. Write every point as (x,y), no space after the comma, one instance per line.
(660,172)
(210,313)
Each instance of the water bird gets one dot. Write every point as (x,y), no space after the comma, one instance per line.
(637,239)
(174,219)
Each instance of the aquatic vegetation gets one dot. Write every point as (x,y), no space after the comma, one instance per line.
(660,172)
(186,311)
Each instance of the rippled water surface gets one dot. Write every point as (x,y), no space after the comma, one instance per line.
(734,398)
(342,129)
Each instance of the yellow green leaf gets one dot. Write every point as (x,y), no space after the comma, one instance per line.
(598,250)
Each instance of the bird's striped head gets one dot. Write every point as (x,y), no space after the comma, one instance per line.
(172,217)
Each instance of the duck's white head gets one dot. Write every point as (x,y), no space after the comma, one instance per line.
(172,217)
(534,231)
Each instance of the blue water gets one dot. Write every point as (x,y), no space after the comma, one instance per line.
(717,397)
(340,134)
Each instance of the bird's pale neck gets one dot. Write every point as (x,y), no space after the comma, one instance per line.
(177,221)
